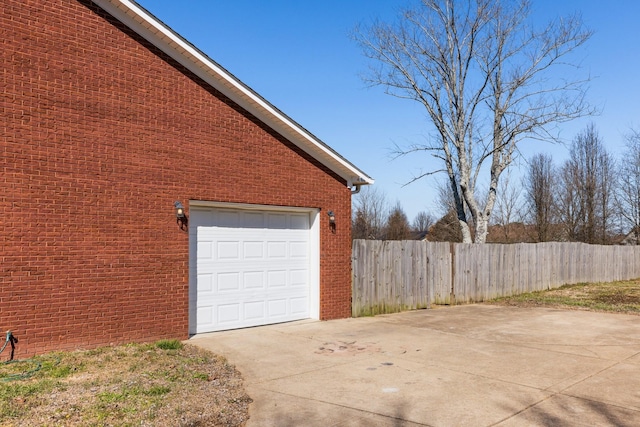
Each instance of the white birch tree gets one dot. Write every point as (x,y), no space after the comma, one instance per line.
(485,78)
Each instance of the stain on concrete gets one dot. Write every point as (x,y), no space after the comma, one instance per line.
(346,348)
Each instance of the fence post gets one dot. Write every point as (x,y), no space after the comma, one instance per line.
(452,252)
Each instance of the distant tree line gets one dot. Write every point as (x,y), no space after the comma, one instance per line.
(375,219)
(591,197)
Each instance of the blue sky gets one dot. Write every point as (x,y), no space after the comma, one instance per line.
(298,55)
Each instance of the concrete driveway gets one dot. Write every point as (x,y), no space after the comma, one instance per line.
(474,365)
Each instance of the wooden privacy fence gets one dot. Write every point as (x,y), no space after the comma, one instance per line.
(391,276)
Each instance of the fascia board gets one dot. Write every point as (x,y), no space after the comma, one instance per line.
(146,25)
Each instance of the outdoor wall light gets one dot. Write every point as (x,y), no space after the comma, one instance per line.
(332,218)
(179,210)
(181,217)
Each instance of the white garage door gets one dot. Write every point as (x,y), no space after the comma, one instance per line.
(249,267)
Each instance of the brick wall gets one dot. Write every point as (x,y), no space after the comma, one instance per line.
(101,133)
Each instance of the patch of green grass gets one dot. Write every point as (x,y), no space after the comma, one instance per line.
(17,389)
(114,396)
(201,376)
(619,297)
(157,390)
(52,366)
(169,344)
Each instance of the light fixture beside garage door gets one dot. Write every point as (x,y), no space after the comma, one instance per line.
(181,217)
(332,220)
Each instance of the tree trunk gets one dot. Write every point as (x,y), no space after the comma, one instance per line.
(482,229)
(466,232)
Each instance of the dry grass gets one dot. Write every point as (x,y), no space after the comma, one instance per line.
(161,384)
(618,297)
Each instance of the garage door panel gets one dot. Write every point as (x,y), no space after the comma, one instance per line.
(299,305)
(253,280)
(205,249)
(252,267)
(277,308)
(228,282)
(276,249)
(227,250)
(205,283)
(254,310)
(299,249)
(276,279)
(298,278)
(253,249)
(228,313)
(218,313)
(205,314)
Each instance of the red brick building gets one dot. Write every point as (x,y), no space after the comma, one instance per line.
(108,118)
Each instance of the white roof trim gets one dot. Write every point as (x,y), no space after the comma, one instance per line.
(153,30)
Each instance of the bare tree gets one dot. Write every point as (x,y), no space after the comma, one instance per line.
(482,74)
(369,214)
(628,194)
(397,227)
(422,222)
(589,182)
(608,185)
(568,205)
(540,193)
(508,208)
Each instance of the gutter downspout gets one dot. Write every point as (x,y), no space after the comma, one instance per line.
(357,183)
